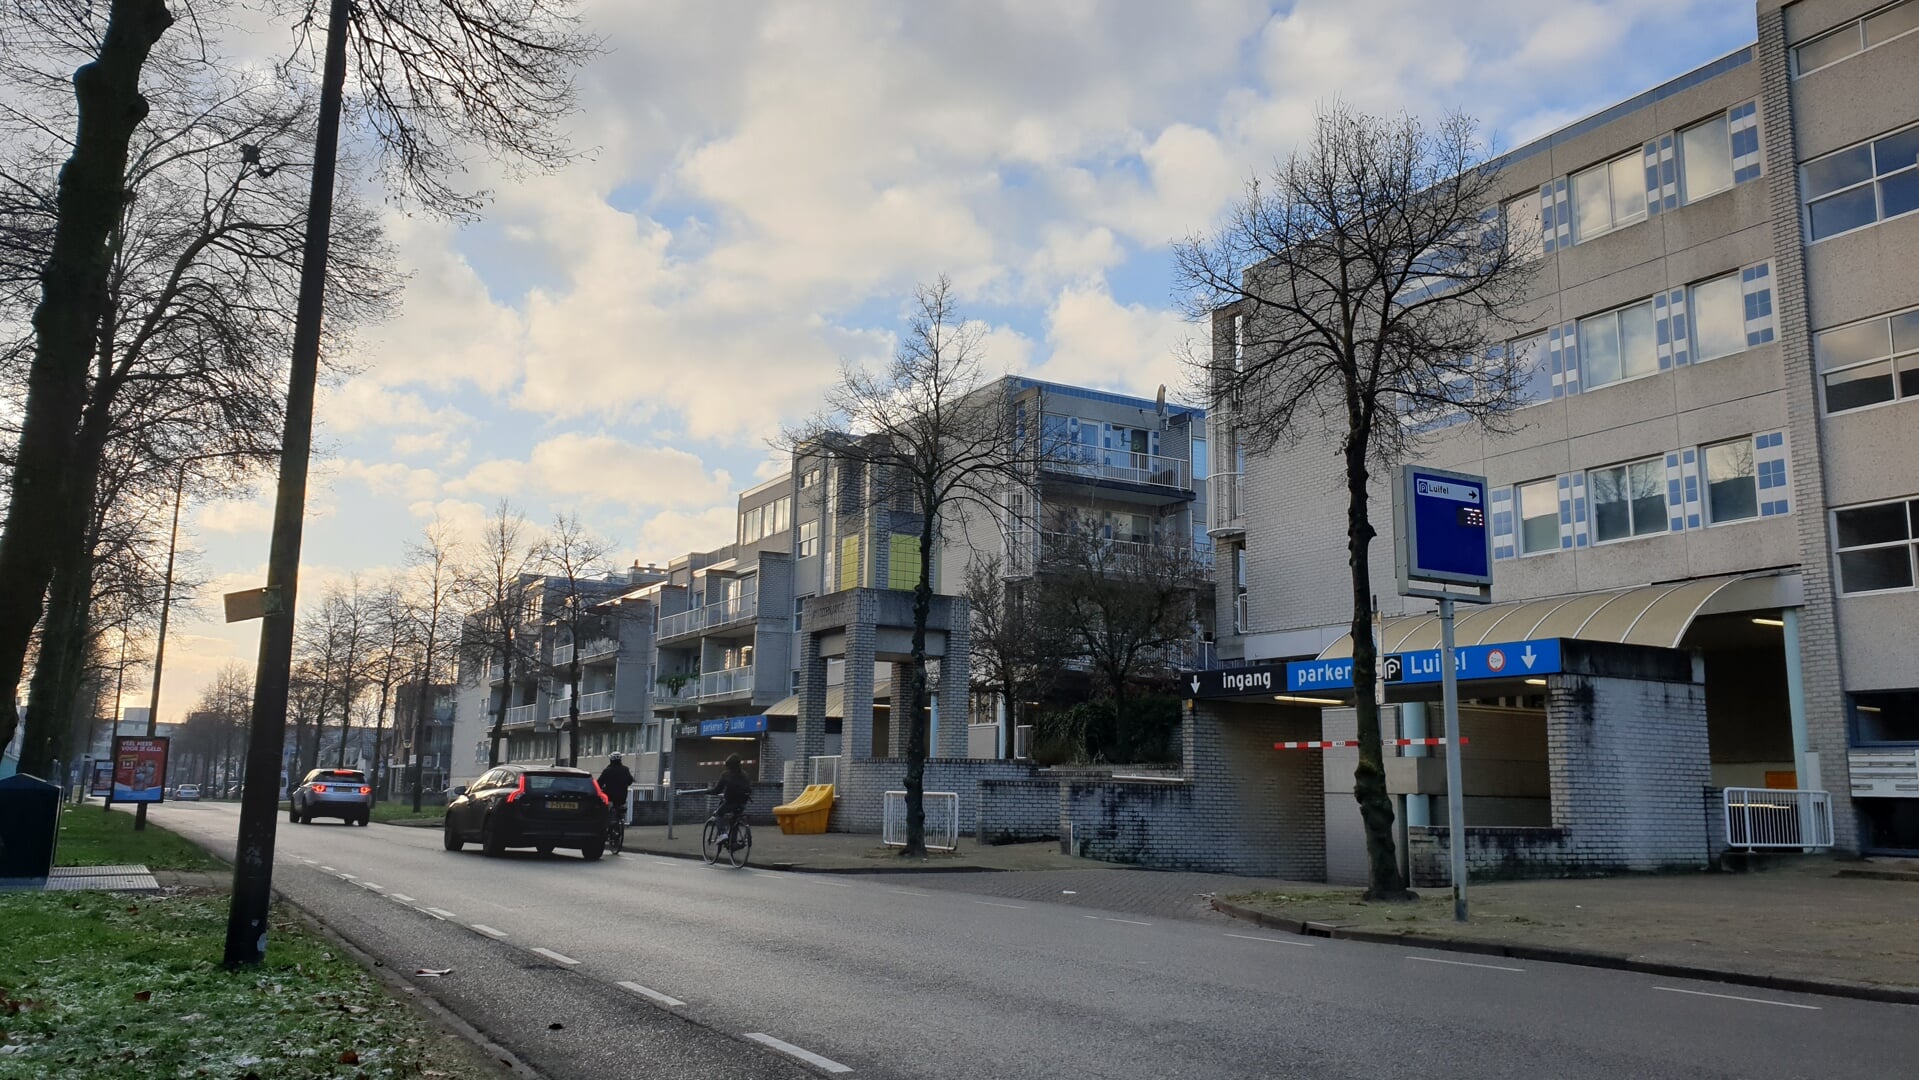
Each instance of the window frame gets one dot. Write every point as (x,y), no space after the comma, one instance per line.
(1858,27)
(1891,361)
(1692,314)
(1539,338)
(1634,161)
(801,539)
(1632,532)
(1910,543)
(1705,482)
(1536,233)
(1586,382)
(1551,484)
(1686,195)
(1874,179)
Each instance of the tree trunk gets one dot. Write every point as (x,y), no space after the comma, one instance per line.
(41,515)
(916,719)
(1369,778)
(499,714)
(379,729)
(573,708)
(58,673)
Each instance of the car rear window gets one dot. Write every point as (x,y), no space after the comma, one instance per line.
(549,783)
(350,776)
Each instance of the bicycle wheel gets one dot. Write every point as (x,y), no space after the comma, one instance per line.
(616,837)
(742,844)
(710,841)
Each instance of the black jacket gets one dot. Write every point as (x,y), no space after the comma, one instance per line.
(615,779)
(733,788)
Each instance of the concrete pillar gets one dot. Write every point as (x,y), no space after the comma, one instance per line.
(954,689)
(810,728)
(900,712)
(1412,725)
(856,723)
(1805,772)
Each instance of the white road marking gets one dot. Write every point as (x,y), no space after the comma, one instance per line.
(558,958)
(1735,997)
(905,892)
(348,877)
(1107,918)
(1272,940)
(653,995)
(1462,963)
(835,884)
(440,913)
(807,1056)
(329,869)
(401,897)
(487,930)
(989,903)
(371,885)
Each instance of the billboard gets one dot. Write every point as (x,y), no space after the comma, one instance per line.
(139,768)
(101,782)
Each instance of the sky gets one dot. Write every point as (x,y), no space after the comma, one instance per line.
(764,184)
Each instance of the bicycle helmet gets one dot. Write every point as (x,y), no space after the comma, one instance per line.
(614,756)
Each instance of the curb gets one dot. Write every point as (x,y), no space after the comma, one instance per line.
(802,868)
(1881,875)
(1579,957)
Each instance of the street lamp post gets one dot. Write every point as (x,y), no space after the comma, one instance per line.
(166,609)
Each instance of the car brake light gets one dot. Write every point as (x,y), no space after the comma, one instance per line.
(320,788)
(366,791)
(601,794)
(514,795)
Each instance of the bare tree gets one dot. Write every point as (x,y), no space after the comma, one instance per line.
(1017,649)
(429,606)
(502,592)
(391,626)
(1371,287)
(574,561)
(936,438)
(1129,607)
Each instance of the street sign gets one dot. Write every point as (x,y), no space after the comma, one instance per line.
(1233,682)
(733,725)
(1442,536)
(1505,660)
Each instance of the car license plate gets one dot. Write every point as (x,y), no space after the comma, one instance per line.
(566,804)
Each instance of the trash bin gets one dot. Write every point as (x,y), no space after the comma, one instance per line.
(29,826)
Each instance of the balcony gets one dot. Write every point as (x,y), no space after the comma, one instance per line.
(562,655)
(522,714)
(1223,509)
(599,649)
(599,701)
(726,682)
(736,610)
(1125,466)
(682,624)
(1199,554)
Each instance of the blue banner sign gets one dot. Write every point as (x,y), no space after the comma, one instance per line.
(1443,534)
(1507,660)
(733,725)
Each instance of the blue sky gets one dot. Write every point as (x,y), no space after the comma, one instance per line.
(766,184)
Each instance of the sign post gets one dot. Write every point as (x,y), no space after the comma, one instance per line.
(1440,542)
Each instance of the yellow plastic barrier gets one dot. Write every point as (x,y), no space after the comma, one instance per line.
(806,815)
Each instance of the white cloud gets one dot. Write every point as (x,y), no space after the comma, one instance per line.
(598,469)
(1098,342)
(391,478)
(671,533)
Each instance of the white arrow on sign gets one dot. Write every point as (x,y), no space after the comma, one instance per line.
(1528,656)
(1195,685)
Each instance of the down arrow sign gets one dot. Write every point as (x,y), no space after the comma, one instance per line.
(1528,656)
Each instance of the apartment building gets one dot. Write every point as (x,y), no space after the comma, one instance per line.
(1722,340)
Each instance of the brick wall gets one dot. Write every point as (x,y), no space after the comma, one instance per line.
(863,786)
(1628,760)
(1015,811)
(1493,854)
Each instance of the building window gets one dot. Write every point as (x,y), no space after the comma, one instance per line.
(1628,500)
(1718,311)
(1875,546)
(1885,716)
(1732,481)
(1532,375)
(1705,158)
(780,515)
(1525,238)
(1875,29)
(1538,512)
(1608,197)
(809,478)
(809,539)
(1618,345)
(1860,185)
(1869,362)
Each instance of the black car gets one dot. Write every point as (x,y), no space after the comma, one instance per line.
(542,807)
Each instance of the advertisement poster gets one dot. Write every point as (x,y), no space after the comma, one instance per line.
(139,768)
(100,784)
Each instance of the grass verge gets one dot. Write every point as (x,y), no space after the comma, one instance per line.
(90,836)
(431,810)
(101,986)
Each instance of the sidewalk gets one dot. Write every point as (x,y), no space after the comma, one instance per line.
(858,853)
(1801,923)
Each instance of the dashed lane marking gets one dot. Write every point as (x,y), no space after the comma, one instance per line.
(440,913)
(905,892)
(1271,940)
(991,903)
(374,885)
(401,897)
(1735,997)
(834,884)
(1108,918)
(344,876)
(651,995)
(487,930)
(558,958)
(1462,963)
(808,1056)
(329,869)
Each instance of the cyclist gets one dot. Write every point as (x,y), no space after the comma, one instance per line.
(735,791)
(615,780)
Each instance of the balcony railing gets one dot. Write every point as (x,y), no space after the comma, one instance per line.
(599,701)
(1125,465)
(1199,552)
(737,609)
(663,693)
(726,682)
(598,649)
(523,714)
(1222,508)
(686,622)
(562,655)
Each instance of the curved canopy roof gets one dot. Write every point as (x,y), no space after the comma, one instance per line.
(1641,615)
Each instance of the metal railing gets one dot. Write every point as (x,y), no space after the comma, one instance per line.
(1773,818)
(1023,741)
(1126,465)
(727,681)
(598,701)
(942,819)
(826,769)
(523,714)
(562,655)
(599,648)
(1222,503)
(685,622)
(737,609)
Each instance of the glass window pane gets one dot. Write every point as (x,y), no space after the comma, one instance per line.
(1706,156)
(1832,47)
(1611,513)
(1638,344)
(1648,479)
(1718,312)
(1892,22)
(1856,387)
(1628,189)
(1538,516)
(1839,213)
(1592,203)
(1909,376)
(1834,171)
(1532,373)
(1875,568)
(1882,524)
(1900,150)
(1905,332)
(1524,237)
(1599,350)
(1732,492)
(1852,344)
(1899,194)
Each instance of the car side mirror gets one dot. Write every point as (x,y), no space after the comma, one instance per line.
(459,791)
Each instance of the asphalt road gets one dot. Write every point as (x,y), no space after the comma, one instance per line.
(664,967)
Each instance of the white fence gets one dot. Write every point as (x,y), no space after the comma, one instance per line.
(1767,818)
(942,819)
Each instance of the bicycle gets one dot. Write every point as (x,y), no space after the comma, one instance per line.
(738,846)
(615,832)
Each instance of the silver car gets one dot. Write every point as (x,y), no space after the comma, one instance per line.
(335,793)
